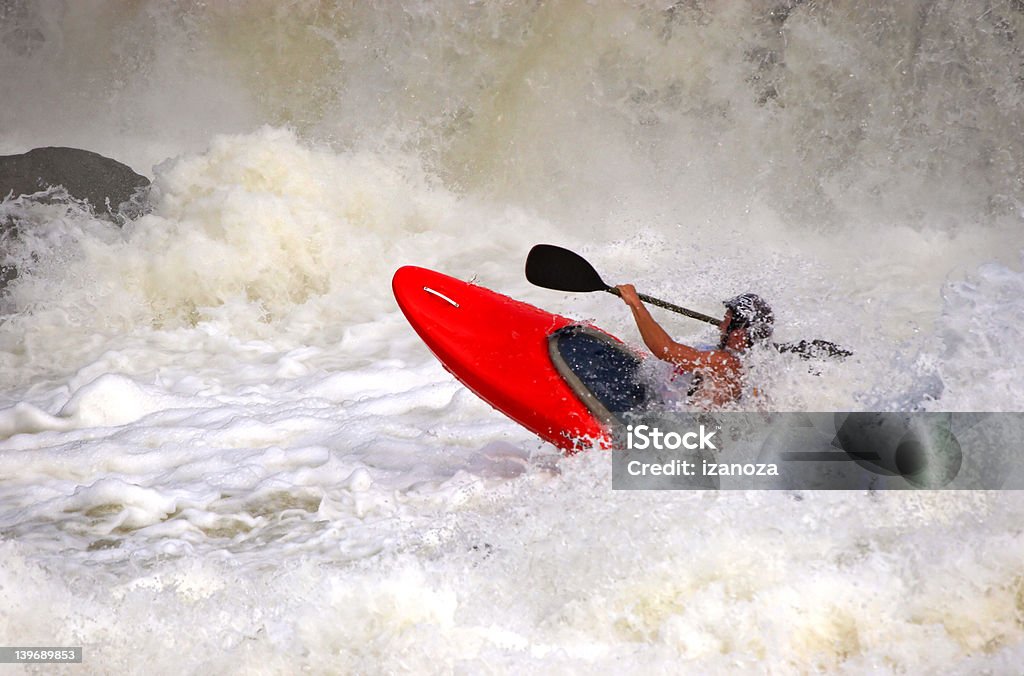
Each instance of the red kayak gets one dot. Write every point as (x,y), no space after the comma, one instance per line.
(561,380)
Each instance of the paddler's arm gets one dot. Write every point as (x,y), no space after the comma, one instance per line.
(659,342)
(663,346)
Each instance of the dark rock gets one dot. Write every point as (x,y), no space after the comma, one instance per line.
(104,183)
(111,189)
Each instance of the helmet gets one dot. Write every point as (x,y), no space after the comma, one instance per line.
(751,312)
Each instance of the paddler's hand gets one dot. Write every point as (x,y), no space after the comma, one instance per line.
(628,295)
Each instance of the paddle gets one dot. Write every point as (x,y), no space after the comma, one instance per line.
(553,267)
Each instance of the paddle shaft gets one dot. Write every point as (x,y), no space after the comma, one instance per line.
(805,349)
(670,306)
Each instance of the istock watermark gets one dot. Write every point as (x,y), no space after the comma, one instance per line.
(859,450)
(642,437)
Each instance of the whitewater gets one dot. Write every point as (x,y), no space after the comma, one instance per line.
(224,450)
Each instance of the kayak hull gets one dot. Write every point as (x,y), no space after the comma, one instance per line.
(498,348)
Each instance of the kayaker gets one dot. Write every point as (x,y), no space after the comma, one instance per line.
(717,374)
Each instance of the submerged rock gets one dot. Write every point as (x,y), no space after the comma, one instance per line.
(111,189)
(102,182)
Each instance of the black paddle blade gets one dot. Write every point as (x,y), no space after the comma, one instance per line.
(814,349)
(553,267)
